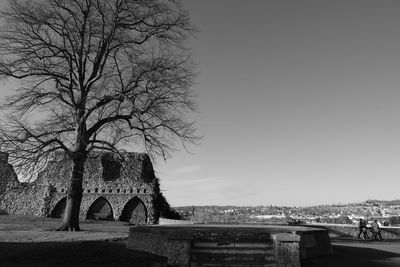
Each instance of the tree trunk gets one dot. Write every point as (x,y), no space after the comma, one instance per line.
(74,195)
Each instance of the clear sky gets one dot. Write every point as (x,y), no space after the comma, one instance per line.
(299,104)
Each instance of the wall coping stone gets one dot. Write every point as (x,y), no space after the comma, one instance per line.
(286,237)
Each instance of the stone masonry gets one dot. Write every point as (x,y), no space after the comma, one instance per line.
(114,188)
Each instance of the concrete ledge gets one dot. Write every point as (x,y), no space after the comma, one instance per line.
(232,245)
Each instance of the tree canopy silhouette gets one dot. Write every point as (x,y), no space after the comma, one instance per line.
(94,75)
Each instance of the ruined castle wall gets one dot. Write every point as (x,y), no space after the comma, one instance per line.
(8,177)
(116,180)
(135,175)
(117,202)
(132,177)
(26,199)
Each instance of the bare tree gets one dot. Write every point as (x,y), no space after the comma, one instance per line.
(95,74)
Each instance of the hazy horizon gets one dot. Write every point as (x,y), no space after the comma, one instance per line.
(300,206)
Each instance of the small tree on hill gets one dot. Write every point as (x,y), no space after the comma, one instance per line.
(95,75)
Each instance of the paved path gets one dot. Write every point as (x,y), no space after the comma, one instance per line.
(350,252)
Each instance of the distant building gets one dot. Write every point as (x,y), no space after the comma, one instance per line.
(113,189)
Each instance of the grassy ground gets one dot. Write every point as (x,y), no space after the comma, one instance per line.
(33,229)
(32,242)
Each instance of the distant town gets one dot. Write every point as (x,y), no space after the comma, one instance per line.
(386,212)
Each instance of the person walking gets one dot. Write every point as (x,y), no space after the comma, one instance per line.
(359,229)
(376,231)
(362,229)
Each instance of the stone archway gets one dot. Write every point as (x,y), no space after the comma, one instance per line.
(134,212)
(58,210)
(100,210)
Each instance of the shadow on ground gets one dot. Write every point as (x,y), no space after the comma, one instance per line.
(99,254)
(351,256)
(114,253)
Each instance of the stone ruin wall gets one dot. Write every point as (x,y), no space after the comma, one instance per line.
(7,174)
(107,179)
(26,199)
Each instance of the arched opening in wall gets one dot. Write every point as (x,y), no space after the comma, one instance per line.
(100,210)
(134,212)
(58,210)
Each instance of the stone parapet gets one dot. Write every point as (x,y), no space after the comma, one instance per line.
(227,245)
(287,249)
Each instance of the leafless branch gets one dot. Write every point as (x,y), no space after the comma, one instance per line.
(95,74)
